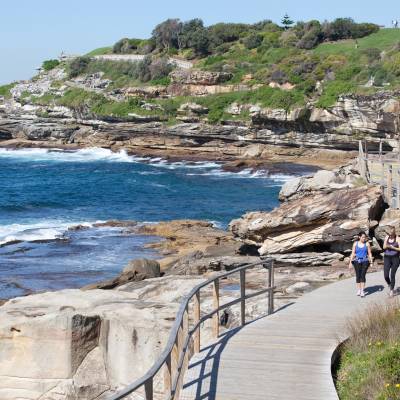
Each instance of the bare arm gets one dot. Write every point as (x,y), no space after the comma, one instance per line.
(369,253)
(353,254)
(385,245)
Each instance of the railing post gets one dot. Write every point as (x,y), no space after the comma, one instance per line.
(196,311)
(380,149)
(390,186)
(168,377)
(148,389)
(215,320)
(271,286)
(183,333)
(383,174)
(174,363)
(243,296)
(398,188)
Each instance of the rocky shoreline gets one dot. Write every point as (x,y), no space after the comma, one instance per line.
(105,336)
(87,343)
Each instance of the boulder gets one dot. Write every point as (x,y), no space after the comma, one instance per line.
(391,218)
(328,222)
(192,108)
(323,180)
(136,270)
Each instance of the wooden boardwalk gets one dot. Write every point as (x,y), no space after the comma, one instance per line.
(286,355)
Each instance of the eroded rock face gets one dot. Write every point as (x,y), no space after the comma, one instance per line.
(324,221)
(198,77)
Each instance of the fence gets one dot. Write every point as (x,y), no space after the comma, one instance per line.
(381,169)
(184,341)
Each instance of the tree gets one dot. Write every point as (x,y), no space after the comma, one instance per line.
(166,34)
(286,21)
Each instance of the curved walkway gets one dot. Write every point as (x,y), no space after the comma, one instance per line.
(284,356)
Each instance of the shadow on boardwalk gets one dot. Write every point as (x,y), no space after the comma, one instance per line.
(203,371)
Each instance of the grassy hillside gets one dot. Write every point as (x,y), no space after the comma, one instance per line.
(319,61)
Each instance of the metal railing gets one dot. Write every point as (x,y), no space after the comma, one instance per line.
(184,341)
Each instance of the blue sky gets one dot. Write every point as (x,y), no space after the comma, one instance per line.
(34,30)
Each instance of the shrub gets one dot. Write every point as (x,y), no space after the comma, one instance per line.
(332,91)
(393,65)
(50,64)
(279,76)
(5,90)
(127,46)
(252,41)
(160,68)
(78,66)
(369,366)
(372,54)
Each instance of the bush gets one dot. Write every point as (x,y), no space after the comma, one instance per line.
(369,366)
(332,91)
(346,28)
(78,66)
(50,64)
(372,54)
(160,68)
(5,90)
(252,41)
(127,46)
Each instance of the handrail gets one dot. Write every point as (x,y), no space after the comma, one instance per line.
(175,356)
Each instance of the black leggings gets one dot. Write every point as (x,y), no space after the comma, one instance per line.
(390,265)
(361,270)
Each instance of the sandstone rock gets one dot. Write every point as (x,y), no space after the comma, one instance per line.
(391,218)
(198,77)
(329,221)
(324,180)
(136,270)
(66,340)
(192,108)
(92,81)
(307,259)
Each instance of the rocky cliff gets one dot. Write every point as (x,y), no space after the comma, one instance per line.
(293,134)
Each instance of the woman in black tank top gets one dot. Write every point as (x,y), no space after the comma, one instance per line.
(391,259)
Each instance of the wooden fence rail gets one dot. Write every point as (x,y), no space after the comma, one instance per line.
(184,340)
(381,169)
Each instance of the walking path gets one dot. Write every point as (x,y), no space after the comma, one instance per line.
(284,356)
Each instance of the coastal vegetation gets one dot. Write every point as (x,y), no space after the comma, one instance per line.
(272,65)
(369,367)
(5,90)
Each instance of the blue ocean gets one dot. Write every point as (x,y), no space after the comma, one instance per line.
(45,192)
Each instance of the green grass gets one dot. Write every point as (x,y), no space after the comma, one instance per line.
(369,367)
(5,90)
(383,40)
(100,51)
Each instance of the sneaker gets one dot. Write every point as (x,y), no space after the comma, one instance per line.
(362,293)
(359,292)
(391,293)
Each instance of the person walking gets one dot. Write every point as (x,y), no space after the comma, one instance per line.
(391,259)
(360,259)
